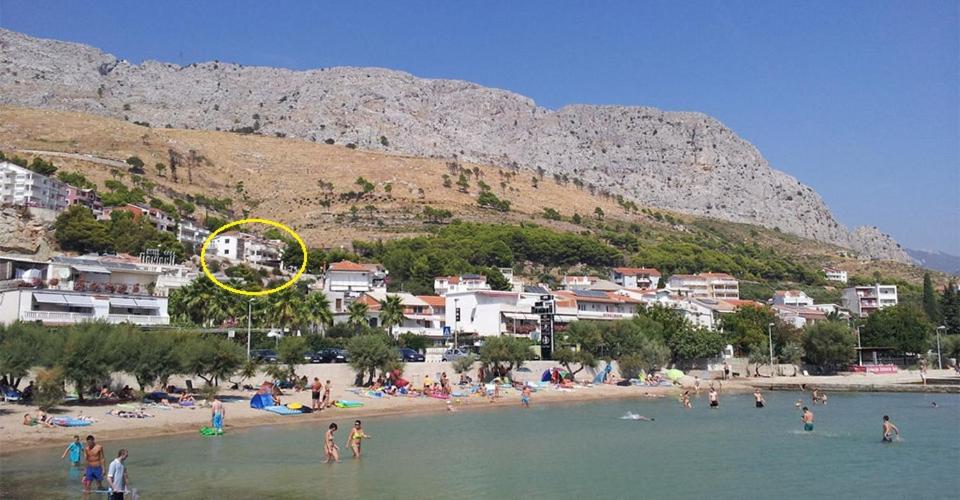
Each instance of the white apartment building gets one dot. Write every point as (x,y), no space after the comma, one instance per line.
(572,282)
(422,314)
(345,281)
(243,247)
(192,235)
(719,286)
(68,290)
(835,274)
(861,301)
(635,277)
(482,311)
(442,285)
(21,186)
(796,298)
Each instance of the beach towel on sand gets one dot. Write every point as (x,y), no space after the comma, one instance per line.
(347,404)
(282,410)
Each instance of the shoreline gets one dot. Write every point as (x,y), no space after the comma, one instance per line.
(16,438)
(150,428)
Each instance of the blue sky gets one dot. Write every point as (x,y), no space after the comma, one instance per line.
(858,99)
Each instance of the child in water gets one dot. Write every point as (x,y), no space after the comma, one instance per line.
(74,449)
(525,396)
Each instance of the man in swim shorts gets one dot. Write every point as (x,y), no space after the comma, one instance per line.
(525,396)
(94,471)
(714,398)
(315,389)
(889,430)
(807,419)
(758,398)
(217,412)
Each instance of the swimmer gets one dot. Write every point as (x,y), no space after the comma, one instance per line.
(714,398)
(889,430)
(525,396)
(330,450)
(355,437)
(807,419)
(758,398)
(798,404)
(815,396)
(934,405)
(685,399)
(637,417)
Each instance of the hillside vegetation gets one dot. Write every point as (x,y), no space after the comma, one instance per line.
(337,195)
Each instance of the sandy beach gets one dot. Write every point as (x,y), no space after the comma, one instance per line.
(14,436)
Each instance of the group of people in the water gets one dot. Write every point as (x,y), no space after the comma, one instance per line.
(90,455)
(331,452)
(818,396)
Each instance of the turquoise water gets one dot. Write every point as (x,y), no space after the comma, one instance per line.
(557,451)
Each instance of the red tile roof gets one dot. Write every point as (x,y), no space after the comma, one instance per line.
(636,271)
(346,265)
(433,300)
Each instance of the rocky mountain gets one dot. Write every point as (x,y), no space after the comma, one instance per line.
(682,161)
(938,261)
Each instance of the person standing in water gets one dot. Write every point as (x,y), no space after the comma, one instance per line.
(330,450)
(525,396)
(75,450)
(696,384)
(94,471)
(807,419)
(815,396)
(889,430)
(117,475)
(217,412)
(714,398)
(685,400)
(758,398)
(356,436)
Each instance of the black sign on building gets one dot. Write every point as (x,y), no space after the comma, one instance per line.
(545,309)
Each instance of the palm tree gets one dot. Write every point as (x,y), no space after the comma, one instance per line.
(316,310)
(391,312)
(283,308)
(357,314)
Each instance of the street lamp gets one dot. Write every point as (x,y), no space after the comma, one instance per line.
(939,358)
(249,311)
(770,341)
(859,347)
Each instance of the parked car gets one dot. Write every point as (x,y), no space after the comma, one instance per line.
(312,357)
(342,356)
(410,356)
(264,355)
(330,355)
(455,354)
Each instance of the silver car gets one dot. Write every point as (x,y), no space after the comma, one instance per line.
(455,354)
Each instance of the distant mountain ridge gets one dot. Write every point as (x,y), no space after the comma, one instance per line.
(938,261)
(682,161)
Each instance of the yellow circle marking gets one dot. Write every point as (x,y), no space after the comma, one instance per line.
(206,243)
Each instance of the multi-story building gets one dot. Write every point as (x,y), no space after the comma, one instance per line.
(345,281)
(798,316)
(861,301)
(68,290)
(719,286)
(242,247)
(85,197)
(796,298)
(835,274)
(422,314)
(635,277)
(192,235)
(443,285)
(597,304)
(21,186)
(572,282)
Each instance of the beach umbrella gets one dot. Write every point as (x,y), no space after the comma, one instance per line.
(674,374)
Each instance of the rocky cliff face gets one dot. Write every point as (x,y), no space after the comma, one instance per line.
(688,162)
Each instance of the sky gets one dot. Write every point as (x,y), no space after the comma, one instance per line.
(858,99)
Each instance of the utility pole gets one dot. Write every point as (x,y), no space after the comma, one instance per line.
(249,311)
(860,348)
(939,357)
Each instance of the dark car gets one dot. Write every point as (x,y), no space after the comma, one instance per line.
(330,355)
(312,357)
(264,355)
(410,356)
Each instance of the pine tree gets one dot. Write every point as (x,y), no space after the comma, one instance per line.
(950,308)
(930,305)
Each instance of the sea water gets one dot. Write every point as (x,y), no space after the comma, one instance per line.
(558,451)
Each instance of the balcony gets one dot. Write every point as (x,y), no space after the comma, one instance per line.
(56,316)
(138,319)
